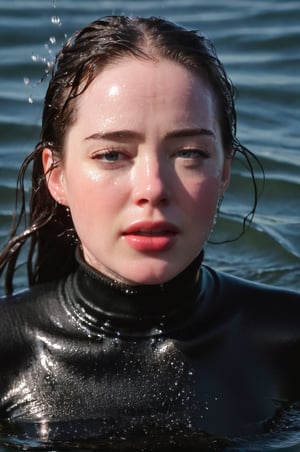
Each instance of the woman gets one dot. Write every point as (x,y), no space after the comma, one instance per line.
(124,333)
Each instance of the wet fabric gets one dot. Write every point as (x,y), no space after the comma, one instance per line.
(204,354)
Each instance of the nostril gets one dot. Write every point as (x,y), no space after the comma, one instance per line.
(153,201)
(142,201)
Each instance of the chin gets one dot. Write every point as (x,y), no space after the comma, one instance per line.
(153,277)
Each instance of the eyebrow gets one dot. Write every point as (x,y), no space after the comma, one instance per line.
(120,135)
(191,132)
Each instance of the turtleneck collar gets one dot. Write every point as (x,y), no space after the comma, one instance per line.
(102,305)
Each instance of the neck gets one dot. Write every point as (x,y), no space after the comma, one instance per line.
(112,305)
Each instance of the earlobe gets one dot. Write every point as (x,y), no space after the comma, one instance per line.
(54,175)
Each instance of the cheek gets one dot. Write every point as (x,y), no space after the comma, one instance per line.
(92,198)
(202,198)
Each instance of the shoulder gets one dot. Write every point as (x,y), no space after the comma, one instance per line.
(37,293)
(237,288)
(20,310)
(256,304)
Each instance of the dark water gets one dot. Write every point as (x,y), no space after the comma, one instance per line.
(259,42)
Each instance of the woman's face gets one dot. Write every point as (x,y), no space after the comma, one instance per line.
(143,170)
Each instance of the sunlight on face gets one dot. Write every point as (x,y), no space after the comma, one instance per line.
(144,168)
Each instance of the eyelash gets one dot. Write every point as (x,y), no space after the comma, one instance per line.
(108,152)
(200,153)
(188,154)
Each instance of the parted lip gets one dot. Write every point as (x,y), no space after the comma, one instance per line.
(150,228)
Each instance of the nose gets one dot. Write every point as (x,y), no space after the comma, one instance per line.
(151,182)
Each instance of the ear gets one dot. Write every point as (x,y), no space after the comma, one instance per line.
(226,175)
(54,175)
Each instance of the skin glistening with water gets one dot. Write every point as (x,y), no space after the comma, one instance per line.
(125,331)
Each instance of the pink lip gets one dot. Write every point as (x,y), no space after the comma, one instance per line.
(151,236)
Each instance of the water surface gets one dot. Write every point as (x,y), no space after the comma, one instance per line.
(259,43)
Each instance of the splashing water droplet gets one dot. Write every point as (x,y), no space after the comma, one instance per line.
(55,20)
(52,39)
(30,100)
(26,81)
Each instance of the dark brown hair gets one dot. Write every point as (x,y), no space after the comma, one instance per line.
(51,232)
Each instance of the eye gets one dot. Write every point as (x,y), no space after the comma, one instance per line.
(191,153)
(109,155)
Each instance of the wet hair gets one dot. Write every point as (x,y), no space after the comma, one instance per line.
(50,233)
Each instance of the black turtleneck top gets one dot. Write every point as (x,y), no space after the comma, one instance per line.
(204,354)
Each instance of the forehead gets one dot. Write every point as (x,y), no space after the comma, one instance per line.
(131,86)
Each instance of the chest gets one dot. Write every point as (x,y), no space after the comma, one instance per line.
(155,382)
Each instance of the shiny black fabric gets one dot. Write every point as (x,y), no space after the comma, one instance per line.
(205,354)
